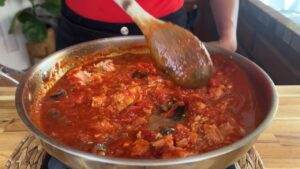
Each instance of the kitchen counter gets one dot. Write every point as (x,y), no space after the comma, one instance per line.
(279,145)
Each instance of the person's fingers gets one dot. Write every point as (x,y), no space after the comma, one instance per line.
(213,43)
(230,45)
(225,44)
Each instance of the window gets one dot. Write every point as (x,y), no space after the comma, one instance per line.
(288,8)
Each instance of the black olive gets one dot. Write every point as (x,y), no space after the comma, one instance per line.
(167,131)
(58,94)
(179,113)
(139,74)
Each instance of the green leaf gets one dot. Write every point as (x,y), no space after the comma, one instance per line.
(13,24)
(34,30)
(26,15)
(51,7)
(22,16)
(2,2)
(56,2)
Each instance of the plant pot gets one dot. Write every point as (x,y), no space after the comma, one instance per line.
(39,50)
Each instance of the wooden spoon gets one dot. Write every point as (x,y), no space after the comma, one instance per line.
(175,50)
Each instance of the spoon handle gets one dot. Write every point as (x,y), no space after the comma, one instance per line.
(141,17)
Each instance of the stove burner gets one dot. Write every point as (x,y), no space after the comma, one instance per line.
(53,163)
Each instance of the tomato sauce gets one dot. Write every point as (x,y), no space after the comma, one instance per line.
(125,107)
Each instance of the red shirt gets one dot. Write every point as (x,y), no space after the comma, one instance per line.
(108,11)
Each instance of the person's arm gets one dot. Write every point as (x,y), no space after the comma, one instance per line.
(225,13)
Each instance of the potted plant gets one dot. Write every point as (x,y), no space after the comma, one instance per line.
(37,22)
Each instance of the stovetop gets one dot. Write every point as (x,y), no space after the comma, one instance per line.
(53,163)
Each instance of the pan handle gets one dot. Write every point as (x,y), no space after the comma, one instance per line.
(11,75)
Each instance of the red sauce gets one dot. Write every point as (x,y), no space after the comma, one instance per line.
(125,107)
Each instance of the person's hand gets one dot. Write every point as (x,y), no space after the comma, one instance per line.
(226,43)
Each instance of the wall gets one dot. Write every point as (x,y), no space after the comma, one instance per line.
(12,46)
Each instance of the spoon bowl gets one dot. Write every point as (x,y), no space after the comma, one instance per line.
(175,50)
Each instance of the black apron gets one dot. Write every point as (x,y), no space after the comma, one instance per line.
(73,29)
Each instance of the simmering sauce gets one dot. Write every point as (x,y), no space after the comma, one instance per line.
(125,107)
